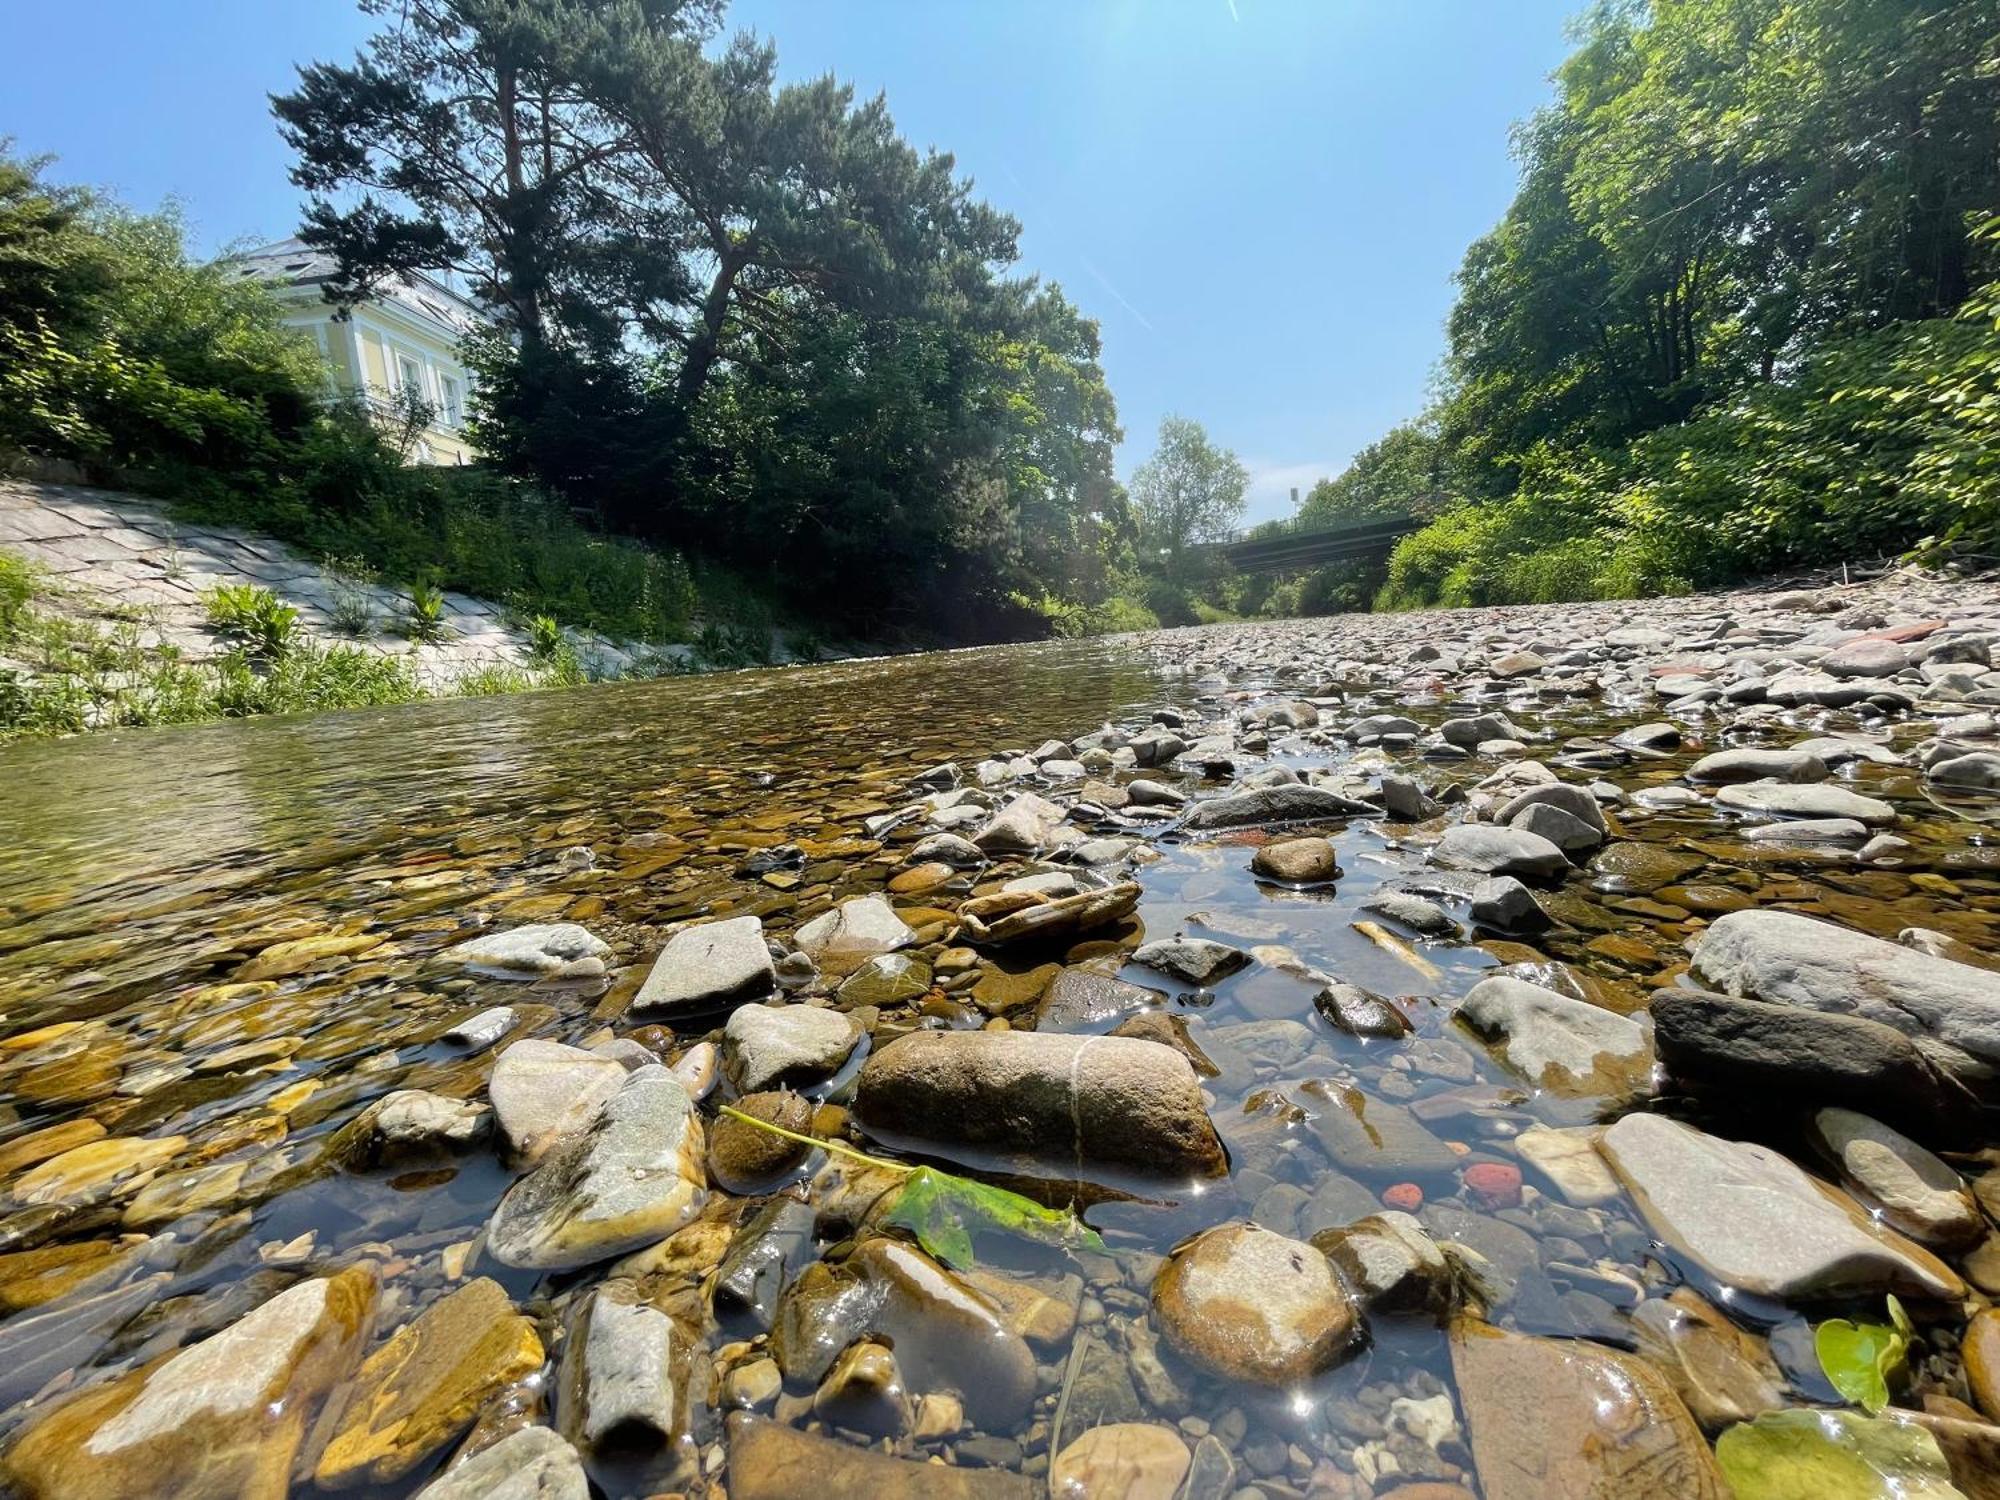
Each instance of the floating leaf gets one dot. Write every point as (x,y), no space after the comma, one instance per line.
(1863,1359)
(1833,1455)
(944,1212)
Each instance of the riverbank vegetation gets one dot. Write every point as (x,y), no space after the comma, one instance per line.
(1740,316)
(740,319)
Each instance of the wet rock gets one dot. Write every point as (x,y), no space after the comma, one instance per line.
(1913,1190)
(1502,904)
(1426,918)
(423,1388)
(1569,1162)
(223,1417)
(1024,826)
(1726,767)
(1785,800)
(1980,1349)
(1298,861)
(1551,1417)
(1194,960)
(771,1461)
(1786,958)
(1569,1048)
(863,1392)
(1808,833)
(1374,1139)
(744,1159)
(635,1178)
(854,930)
(478,1032)
(527,952)
(531,1463)
(947,849)
(1246,1304)
(1978,771)
(1723,1374)
(1390,1264)
(1277,804)
(886,980)
(772,1244)
(1089,998)
(1043,1102)
(1737,1050)
(1020,916)
(1360,1012)
(618,1376)
(1642,867)
(765,1046)
(946,1336)
(545,1093)
(413,1125)
(1043,1311)
(1655,736)
(708,965)
(1568,833)
(1754,1222)
(1500,851)
(96,1171)
(1124,1461)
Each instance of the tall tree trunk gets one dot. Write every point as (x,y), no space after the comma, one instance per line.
(707,341)
(522,294)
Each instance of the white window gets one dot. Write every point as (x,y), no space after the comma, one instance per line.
(409,374)
(452,401)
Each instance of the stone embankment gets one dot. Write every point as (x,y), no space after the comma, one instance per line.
(1485,1046)
(119,559)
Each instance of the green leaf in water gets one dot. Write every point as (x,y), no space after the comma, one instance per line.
(1833,1455)
(944,1212)
(1863,1359)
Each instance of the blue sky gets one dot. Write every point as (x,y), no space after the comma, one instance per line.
(1262,201)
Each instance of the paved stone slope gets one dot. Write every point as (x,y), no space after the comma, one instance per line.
(115,554)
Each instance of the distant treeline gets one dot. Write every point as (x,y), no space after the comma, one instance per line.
(1741,314)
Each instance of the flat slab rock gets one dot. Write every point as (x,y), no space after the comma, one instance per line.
(635,1178)
(764,1046)
(1755,1222)
(1557,1417)
(1788,959)
(1277,804)
(528,952)
(1567,1047)
(771,1461)
(533,1463)
(707,965)
(1043,1102)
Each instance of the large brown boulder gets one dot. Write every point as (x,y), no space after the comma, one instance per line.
(1043,1104)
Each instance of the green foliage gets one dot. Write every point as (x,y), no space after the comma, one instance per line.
(1802,1454)
(423,616)
(1187,493)
(945,1212)
(1739,315)
(738,312)
(1864,1360)
(252,618)
(545,638)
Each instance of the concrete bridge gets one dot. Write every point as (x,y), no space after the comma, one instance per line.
(1296,551)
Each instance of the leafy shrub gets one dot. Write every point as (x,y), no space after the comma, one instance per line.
(423,616)
(253,618)
(545,638)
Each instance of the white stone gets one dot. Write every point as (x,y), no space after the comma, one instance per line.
(1755,1222)
(710,964)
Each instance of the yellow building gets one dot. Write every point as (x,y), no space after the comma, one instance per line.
(403,338)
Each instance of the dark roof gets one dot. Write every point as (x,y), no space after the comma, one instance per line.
(293,262)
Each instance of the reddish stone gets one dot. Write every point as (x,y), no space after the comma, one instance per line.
(1494,1184)
(1678,669)
(1404,1195)
(1902,635)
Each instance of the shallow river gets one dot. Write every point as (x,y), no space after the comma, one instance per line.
(190,1077)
